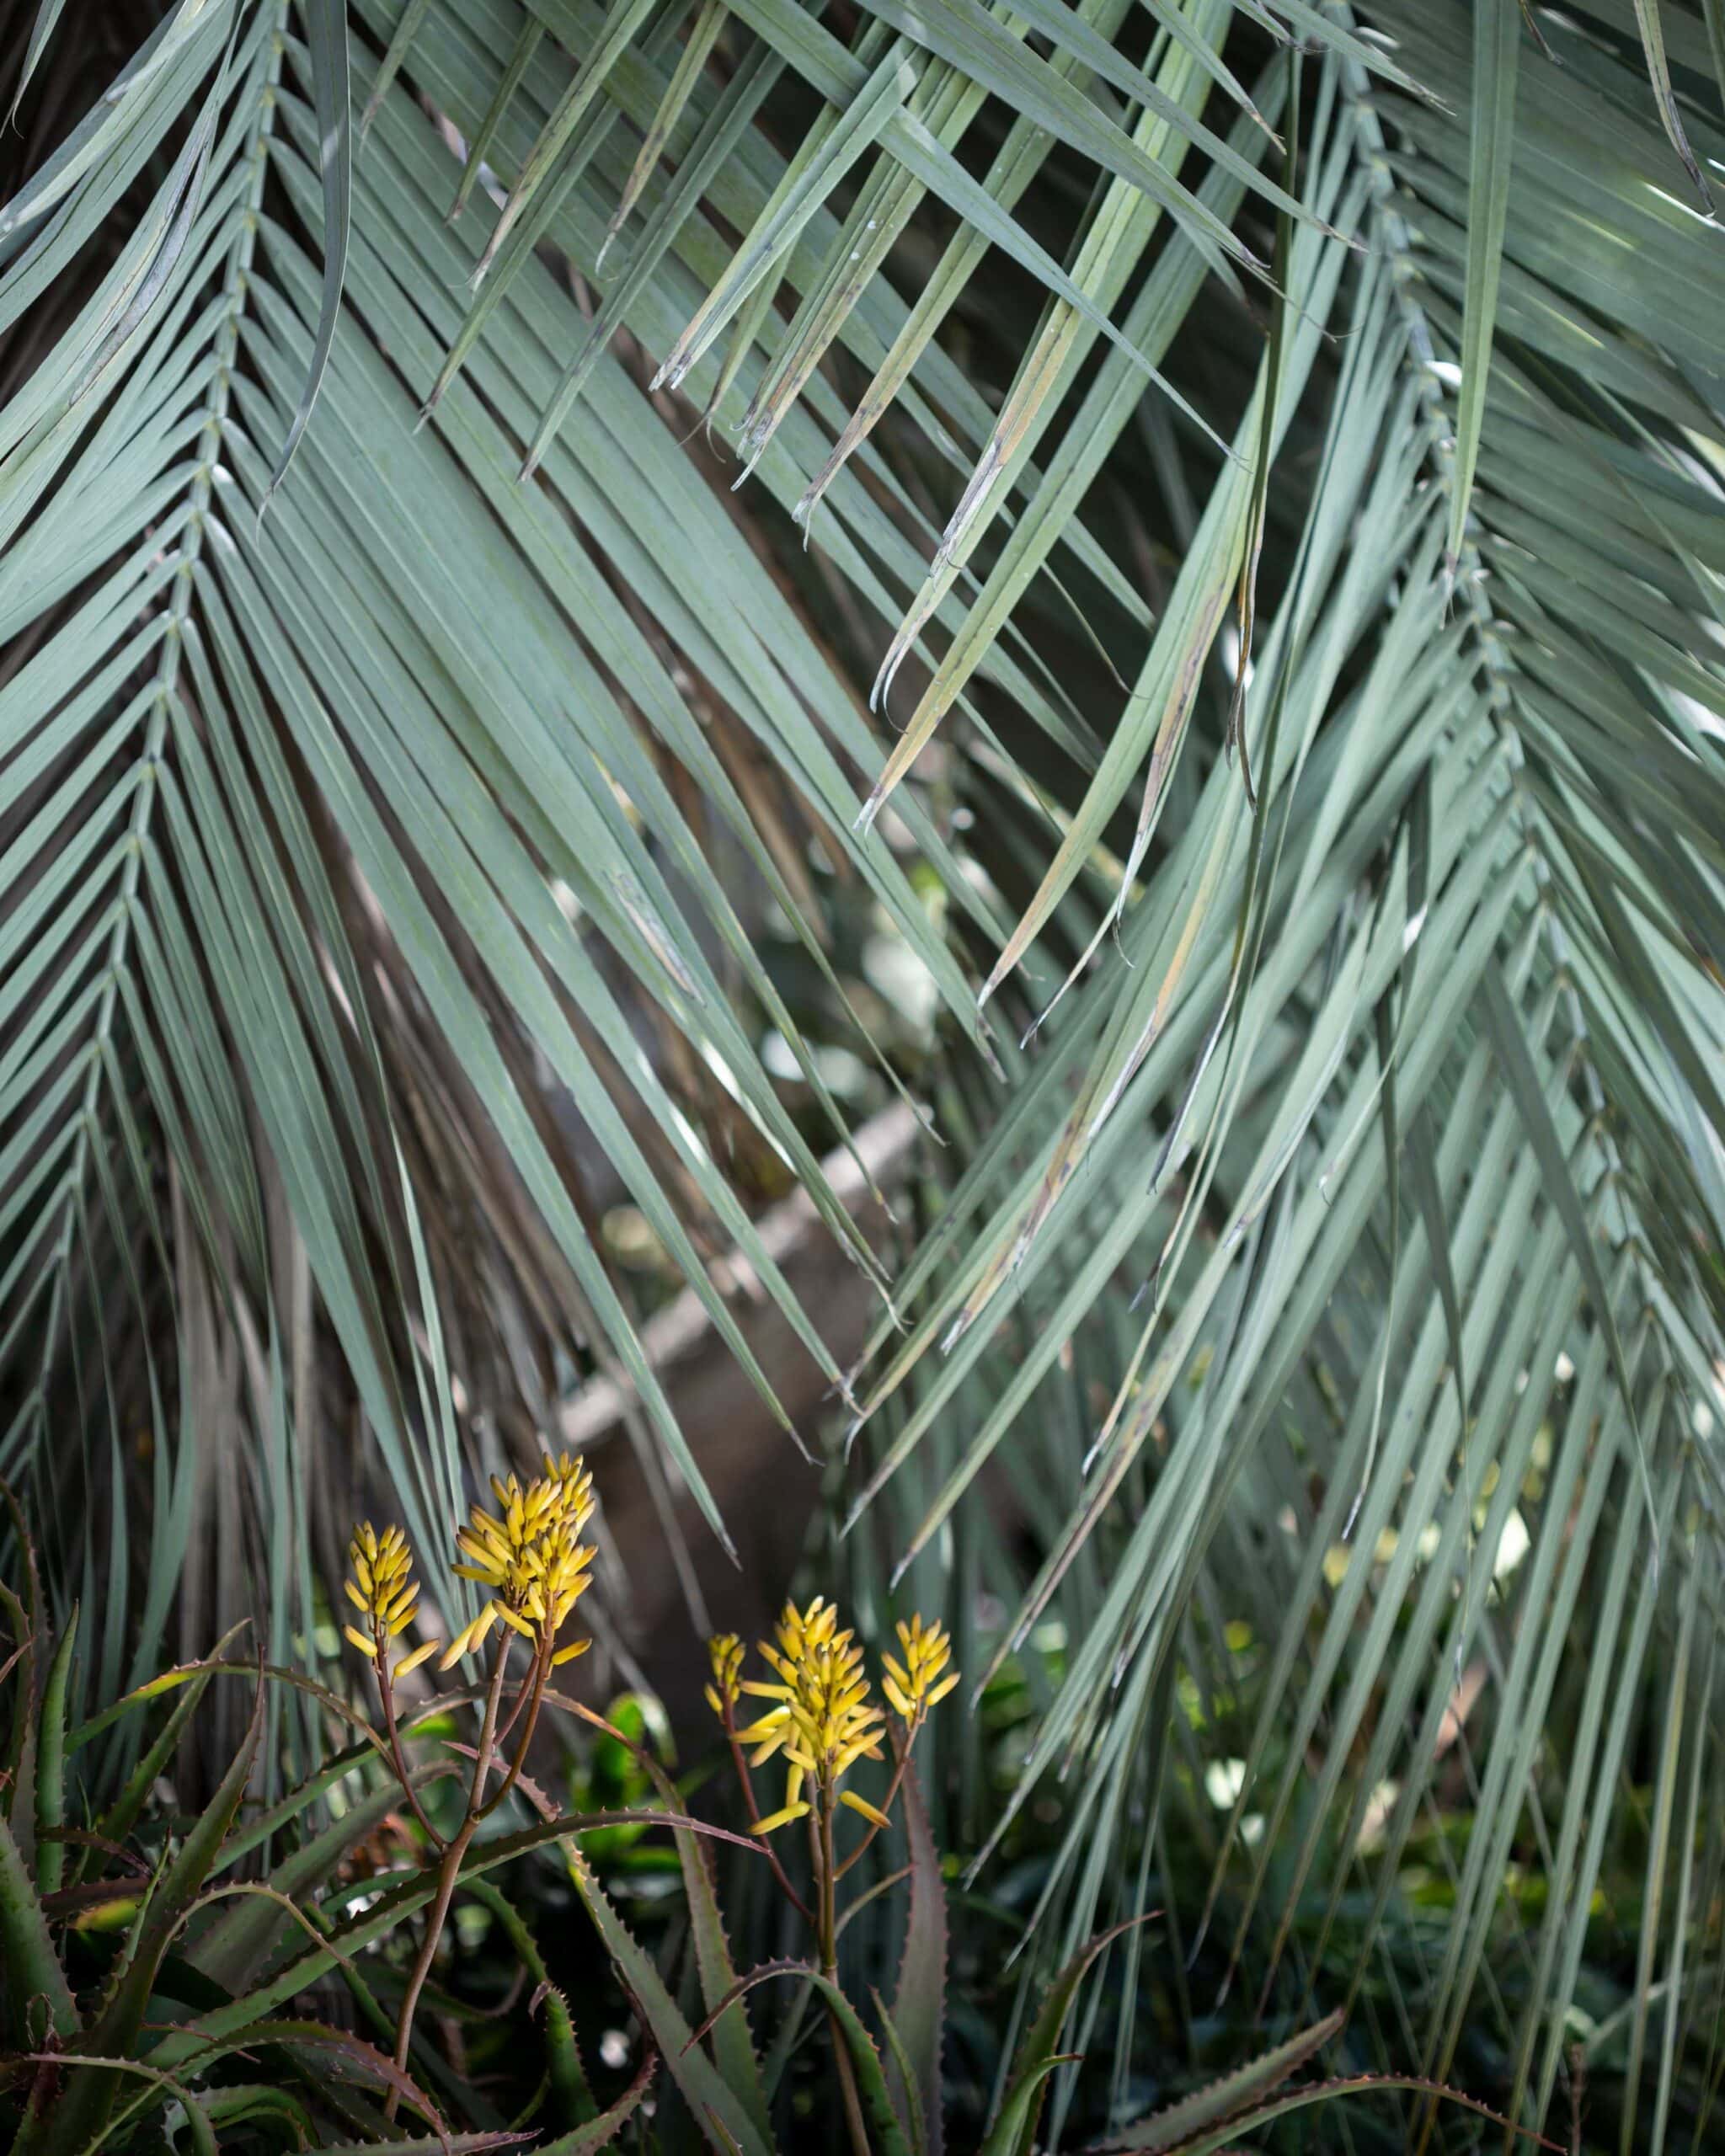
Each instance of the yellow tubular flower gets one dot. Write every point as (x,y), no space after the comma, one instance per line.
(529,1555)
(385,1595)
(820,1718)
(781,1818)
(913,1686)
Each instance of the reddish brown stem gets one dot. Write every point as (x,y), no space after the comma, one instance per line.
(902,1759)
(450,1870)
(740,1762)
(386,1699)
(827,1881)
(533,1692)
(522,1697)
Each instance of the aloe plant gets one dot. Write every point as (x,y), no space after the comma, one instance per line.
(158,1974)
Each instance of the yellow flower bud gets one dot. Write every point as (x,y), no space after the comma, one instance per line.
(381,1588)
(774,1820)
(529,1555)
(917,1683)
(725,1652)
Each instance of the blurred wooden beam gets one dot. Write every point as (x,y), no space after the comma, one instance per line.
(764,1490)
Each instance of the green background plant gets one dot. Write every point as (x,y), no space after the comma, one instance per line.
(234,1974)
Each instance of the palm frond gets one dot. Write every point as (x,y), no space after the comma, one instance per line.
(334,826)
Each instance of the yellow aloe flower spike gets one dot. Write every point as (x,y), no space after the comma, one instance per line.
(725,1652)
(530,1555)
(383,1591)
(821,1717)
(916,1683)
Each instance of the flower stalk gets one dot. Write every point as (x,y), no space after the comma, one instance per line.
(820,1719)
(816,1710)
(530,1558)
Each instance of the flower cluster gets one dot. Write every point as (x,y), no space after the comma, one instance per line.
(384,1592)
(726,1651)
(817,1711)
(530,1555)
(530,1558)
(821,1718)
(915,1685)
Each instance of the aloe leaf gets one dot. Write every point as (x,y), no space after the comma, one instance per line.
(919,2003)
(117,1821)
(563,2069)
(885,2133)
(904,2077)
(237,2101)
(50,1764)
(451,2144)
(1010,2133)
(234,1948)
(23,1659)
(587,2140)
(79,2068)
(24,1614)
(296,2035)
(28,1962)
(257,2101)
(1177,2126)
(291,2035)
(154,1688)
(732,2046)
(381,1914)
(701,2082)
(113,2035)
(1204,2140)
(1013,2133)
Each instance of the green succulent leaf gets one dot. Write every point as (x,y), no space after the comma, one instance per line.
(919,2002)
(35,1982)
